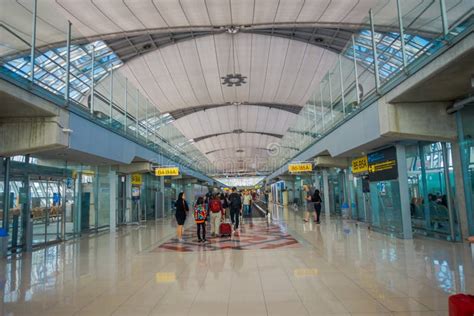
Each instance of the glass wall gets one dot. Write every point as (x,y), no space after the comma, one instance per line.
(336,190)
(386,207)
(428,191)
(465,119)
(361,202)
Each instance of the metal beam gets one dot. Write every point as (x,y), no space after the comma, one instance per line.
(198,139)
(179,113)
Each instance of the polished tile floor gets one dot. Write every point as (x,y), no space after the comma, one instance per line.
(255,233)
(339,269)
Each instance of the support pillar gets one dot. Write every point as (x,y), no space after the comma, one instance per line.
(460,196)
(113,180)
(6,193)
(162,190)
(349,191)
(128,198)
(326,193)
(404,193)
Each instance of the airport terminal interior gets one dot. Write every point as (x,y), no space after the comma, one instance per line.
(237,157)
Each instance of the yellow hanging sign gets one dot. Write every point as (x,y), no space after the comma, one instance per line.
(136,179)
(360,165)
(300,167)
(166,171)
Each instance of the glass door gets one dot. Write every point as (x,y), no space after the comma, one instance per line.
(46,204)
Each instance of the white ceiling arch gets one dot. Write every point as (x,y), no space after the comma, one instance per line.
(235,117)
(188,74)
(100,17)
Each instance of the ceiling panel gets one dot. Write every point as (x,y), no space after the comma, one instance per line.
(102,17)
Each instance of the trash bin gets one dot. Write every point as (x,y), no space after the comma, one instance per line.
(3,242)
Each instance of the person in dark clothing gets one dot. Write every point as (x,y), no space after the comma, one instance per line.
(181,211)
(235,205)
(316,199)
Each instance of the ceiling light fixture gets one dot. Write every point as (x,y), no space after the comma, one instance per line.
(233,80)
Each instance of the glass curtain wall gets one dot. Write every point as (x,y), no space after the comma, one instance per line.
(428,190)
(386,207)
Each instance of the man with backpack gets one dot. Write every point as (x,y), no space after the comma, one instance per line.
(235,205)
(216,211)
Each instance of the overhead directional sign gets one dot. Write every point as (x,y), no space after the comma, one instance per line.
(360,165)
(382,165)
(300,167)
(166,171)
(136,179)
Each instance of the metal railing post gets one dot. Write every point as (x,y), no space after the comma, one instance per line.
(343,100)
(92,79)
(146,121)
(402,34)
(374,52)
(111,94)
(330,95)
(68,61)
(126,106)
(33,42)
(444,17)
(138,112)
(322,103)
(356,73)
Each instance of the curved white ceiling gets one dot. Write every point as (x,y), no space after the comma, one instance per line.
(248,118)
(188,74)
(98,17)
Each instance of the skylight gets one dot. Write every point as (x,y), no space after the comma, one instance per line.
(50,67)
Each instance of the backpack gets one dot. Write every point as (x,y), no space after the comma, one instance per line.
(235,202)
(215,206)
(199,214)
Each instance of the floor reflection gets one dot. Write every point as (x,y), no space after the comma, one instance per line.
(347,264)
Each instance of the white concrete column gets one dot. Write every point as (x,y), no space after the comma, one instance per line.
(350,190)
(128,198)
(162,191)
(113,180)
(326,193)
(404,193)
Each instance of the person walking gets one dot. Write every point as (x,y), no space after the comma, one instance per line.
(247,203)
(217,213)
(235,205)
(200,215)
(181,211)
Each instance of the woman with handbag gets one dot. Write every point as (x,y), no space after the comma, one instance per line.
(181,211)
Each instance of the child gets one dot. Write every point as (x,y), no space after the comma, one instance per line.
(200,215)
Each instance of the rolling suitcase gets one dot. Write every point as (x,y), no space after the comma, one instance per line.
(461,305)
(225,229)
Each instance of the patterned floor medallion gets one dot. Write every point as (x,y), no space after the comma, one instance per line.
(256,234)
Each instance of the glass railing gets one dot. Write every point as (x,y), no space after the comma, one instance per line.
(403,45)
(85,76)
